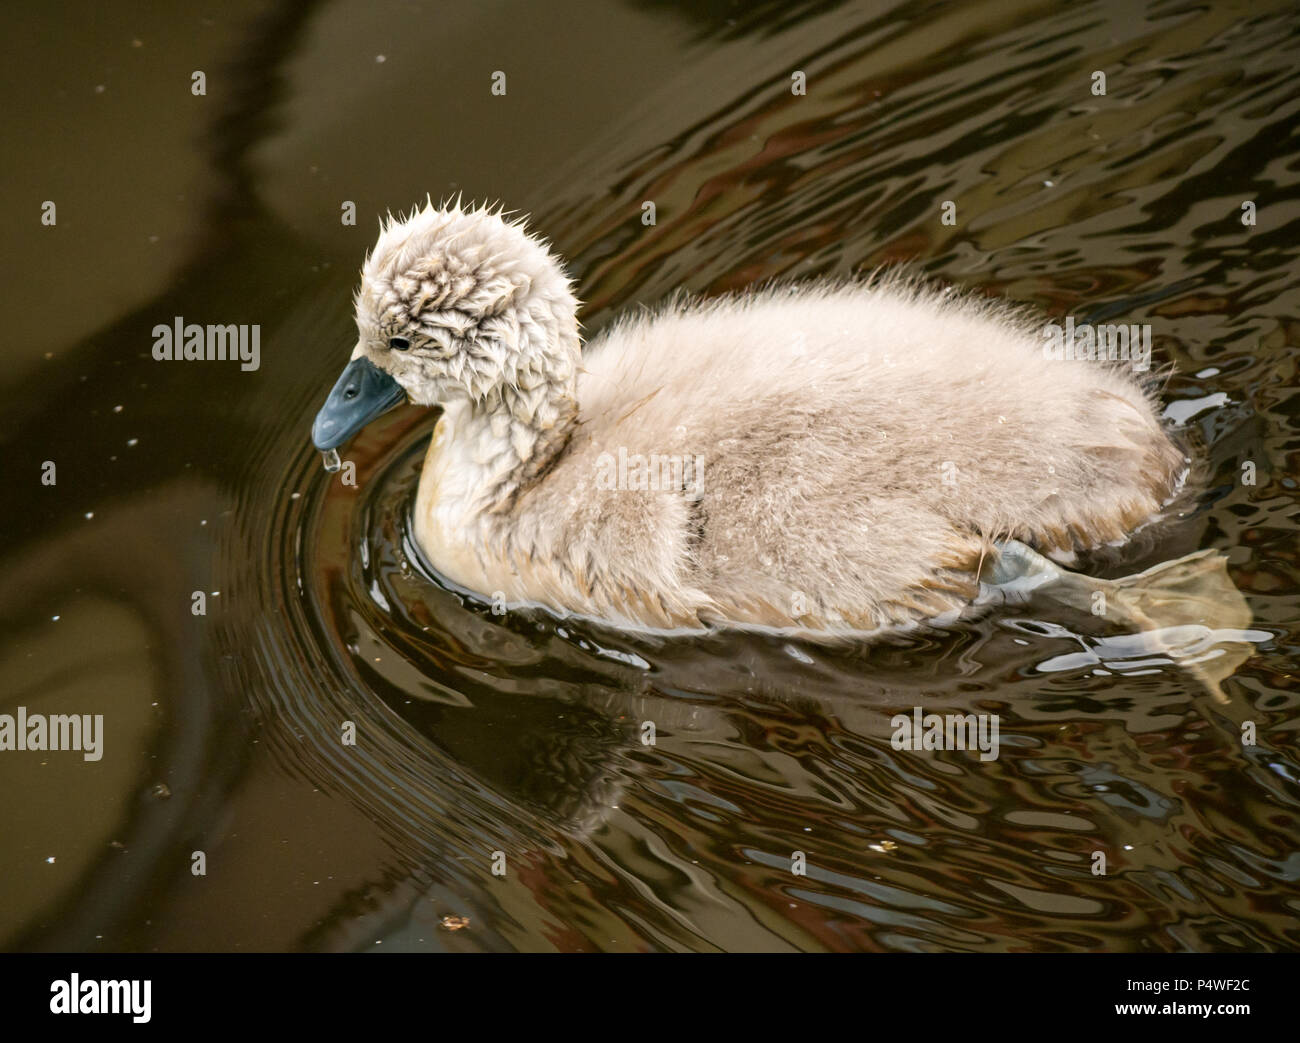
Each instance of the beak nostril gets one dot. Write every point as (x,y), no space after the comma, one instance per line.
(362,392)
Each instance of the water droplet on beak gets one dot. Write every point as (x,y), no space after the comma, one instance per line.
(330,457)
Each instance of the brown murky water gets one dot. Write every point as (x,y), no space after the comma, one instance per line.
(479,733)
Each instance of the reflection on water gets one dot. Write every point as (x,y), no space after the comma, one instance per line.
(522,734)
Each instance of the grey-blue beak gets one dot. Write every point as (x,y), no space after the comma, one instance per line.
(363,392)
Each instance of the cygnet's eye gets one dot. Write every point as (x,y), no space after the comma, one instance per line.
(398,343)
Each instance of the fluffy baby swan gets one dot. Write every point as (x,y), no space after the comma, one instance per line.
(823,457)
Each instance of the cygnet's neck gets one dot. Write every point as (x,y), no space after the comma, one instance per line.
(485,454)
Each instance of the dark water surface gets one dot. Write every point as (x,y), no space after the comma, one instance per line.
(480,733)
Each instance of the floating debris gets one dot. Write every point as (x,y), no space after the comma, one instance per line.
(331,460)
(454,923)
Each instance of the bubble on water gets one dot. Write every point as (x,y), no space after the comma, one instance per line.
(330,457)
(799,654)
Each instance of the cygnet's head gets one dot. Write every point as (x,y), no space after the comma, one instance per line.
(457,304)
